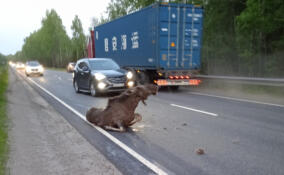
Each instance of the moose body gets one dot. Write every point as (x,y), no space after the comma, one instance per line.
(120,110)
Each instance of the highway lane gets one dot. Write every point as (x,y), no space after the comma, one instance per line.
(243,138)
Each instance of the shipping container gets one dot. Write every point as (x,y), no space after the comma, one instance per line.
(161,41)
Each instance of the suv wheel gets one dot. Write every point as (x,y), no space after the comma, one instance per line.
(77,90)
(93,90)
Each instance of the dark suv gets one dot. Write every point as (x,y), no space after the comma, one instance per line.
(97,75)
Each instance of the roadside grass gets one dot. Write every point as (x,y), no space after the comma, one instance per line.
(3,119)
(241,90)
(262,89)
(275,91)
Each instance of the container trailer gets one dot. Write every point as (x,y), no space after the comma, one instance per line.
(160,43)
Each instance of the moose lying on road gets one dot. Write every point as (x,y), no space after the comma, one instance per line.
(120,109)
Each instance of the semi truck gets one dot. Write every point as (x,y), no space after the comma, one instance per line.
(161,43)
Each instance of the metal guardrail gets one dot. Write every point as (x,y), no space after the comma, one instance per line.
(247,80)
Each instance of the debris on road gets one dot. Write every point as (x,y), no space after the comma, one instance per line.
(200,151)
(236,141)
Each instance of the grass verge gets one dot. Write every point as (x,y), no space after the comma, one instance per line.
(3,119)
(264,93)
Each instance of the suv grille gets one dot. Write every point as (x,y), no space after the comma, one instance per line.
(117,79)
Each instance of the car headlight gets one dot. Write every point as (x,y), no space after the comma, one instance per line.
(40,69)
(101,85)
(99,76)
(28,69)
(129,75)
(130,83)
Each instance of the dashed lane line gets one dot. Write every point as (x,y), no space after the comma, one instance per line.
(195,110)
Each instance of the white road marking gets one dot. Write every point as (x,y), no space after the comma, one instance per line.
(237,99)
(196,110)
(140,158)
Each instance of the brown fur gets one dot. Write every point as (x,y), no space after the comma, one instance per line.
(119,112)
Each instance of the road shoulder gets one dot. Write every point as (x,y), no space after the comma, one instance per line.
(43,142)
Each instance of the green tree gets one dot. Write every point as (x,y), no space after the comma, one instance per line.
(55,42)
(260,29)
(117,8)
(31,48)
(3,59)
(219,53)
(78,39)
(50,44)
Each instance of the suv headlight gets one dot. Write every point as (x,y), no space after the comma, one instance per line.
(129,75)
(99,76)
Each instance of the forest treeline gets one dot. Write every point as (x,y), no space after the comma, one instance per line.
(51,45)
(244,38)
(240,37)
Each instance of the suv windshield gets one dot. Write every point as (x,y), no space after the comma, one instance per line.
(103,65)
(33,63)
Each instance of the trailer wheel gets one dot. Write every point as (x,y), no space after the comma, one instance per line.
(143,78)
(174,88)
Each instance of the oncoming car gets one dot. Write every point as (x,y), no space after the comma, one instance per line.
(20,65)
(98,75)
(33,67)
(70,67)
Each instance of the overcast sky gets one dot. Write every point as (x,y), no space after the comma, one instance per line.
(18,18)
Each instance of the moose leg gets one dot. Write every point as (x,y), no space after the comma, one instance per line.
(137,118)
(119,128)
(110,128)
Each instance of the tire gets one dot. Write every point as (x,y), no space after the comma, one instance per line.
(76,87)
(143,78)
(174,88)
(93,90)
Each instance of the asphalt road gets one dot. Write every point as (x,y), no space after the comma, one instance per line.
(238,137)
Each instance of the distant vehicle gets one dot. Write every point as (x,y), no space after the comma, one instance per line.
(160,43)
(100,75)
(12,64)
(70,67)
(20,65)
(34,68)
